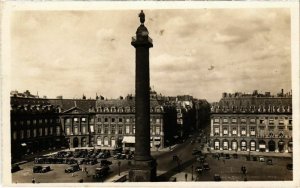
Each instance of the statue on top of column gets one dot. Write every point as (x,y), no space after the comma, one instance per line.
(142,17)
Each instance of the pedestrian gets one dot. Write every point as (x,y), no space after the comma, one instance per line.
(33,180)
(185,176)
(72,174)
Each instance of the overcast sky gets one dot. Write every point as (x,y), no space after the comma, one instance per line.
(200,52)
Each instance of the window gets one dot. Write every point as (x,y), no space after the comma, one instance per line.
(217,131)
(113,129)
(157,130)
(127,129)
(34,122)
(157,120)
(57,120)
(91,120)
(22,134)
(281,127)
(83,120)
(281,122)
(225,120)
(113,109)
(40,121)
(46,131)
(112,119)
(216,120)
(15,135)
(290,128)
(68,120)
(133,129)
(99,128)
(234,132)
(34,132)
(120,120)
(51,131)
(106,129)
(225,131)
(261,121)
(76,120)
(127,120)
(252,120)
(83,129)
(233,120)
(28,133)
(243,131)
(68,131)
(290,122)
(252,131)
(99,119)
(75,130)
(51,120)
(40,131)
(105,119)
(46,120)
(120,129)
(243,120)
(92,128)
(57,130)
(271,121)
(28,122)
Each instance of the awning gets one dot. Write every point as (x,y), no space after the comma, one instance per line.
(128,139)
(281,143)
(156,138)
(290,143)
(263,146)
(23,144)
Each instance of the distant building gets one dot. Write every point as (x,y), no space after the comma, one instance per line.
(252,122)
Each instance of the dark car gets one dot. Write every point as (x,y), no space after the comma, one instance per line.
(37,169)
(196,152)
(227,156)
(101,172)
(217,177)
(117,150)
(72,168)
(199,169)
(254,158)
(15,168)
(269,162)
(105,162)
(45,169)
(120,156)
(289,166)
(261,159)
(206,166)
(235,155)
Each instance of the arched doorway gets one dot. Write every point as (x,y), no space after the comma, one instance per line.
(113,142)
(281,146)
(262,146)
(252,145)
(243,145)
(75,142)
(234,145)
(83,142)
(271,145)
(217,144)
(99,142)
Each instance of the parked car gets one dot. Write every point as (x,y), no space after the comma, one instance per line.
(196,152)
(15,168)
(119,156)
(227,156)
(217,177)
(117,150)
(254,158)
(72,168)
(235,155)
(101,172)
(206,166)
(269,162)
(289,166)
(37,169)
(105,162)
(45,169)
(261,159)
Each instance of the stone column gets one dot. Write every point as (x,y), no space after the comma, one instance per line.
(144,168)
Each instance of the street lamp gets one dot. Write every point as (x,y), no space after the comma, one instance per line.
(192,172)
(119,164)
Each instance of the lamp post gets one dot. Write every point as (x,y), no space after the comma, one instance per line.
(192,172)
(119,164)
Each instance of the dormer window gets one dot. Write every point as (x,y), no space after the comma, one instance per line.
(127,109)
(113,109)
(120,110)
(106,109)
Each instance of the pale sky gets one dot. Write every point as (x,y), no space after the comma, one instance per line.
(201,52)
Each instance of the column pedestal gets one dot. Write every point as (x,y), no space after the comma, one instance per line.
(143,171)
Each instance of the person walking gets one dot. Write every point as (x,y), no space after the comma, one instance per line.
(33,180)
(186,176)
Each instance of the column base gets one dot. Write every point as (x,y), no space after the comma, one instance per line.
(143,171)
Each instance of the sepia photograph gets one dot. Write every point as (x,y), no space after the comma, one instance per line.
(191,95)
